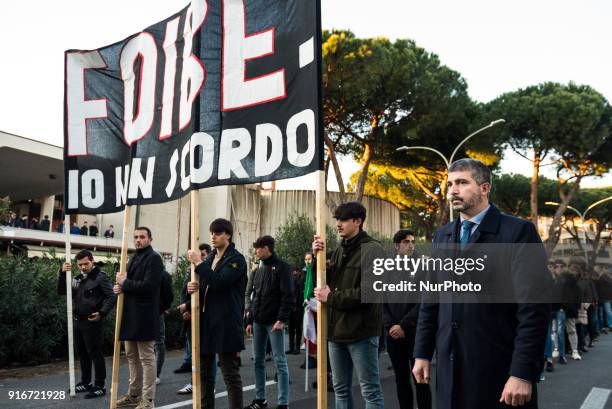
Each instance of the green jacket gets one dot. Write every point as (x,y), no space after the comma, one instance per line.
(349,319)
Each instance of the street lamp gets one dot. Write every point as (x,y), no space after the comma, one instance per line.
(582,216)
(448,162)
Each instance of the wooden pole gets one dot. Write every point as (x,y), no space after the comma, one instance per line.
(117,347)
(69,306)
(321,308)
(195,304)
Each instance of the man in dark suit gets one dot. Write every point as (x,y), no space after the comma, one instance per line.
(488,355)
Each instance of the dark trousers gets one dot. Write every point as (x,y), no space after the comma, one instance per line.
(230,369)
(295,329)
(400,352)
(89,338)
(581,329)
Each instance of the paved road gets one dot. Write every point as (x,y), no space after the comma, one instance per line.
(566,388)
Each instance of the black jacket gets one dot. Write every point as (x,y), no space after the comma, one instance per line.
(44,225)
(89,295)
(405,315)
(273,293)
(478,346)
(222,302)
(571,294)
(93,231)
(140,319)
(298,291)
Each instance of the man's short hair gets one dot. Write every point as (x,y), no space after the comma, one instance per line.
(84,254)
(264,241)
(220,226)
(111,226)
(85,222)
(401,235)
(480,172)
(145,229)
(559,261)
(206,247)
(350,210)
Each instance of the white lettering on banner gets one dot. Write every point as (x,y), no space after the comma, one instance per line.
(92,184)
(172,182)
(185,178)
(138,183)
(121,184)
(207,145)
(79,109)
(230,157)
(307,118)
(73,189)
(263,133)
(236,90)
(136,125)
(169,77)
(194,74)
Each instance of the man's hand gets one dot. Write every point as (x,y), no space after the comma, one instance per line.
(186,316)
(192,287)
(278,326)
(182,308)
(396,332)
(117,289)
(421,370)
(249,330)
(95,317)
(194,256)
(317,244)
(66,267)
(321,294)
(517,392)
(121,278)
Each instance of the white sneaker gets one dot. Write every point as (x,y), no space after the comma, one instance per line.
(157,381)
(576,356)
(555,354)
(186,390)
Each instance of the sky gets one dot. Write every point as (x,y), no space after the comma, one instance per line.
(498,46)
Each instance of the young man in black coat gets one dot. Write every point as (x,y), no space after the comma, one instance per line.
(140,319)
(400,321)
(92,299)
(296,318)
(488,355)
(222,284)
(273,301)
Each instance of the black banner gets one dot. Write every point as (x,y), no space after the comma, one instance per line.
(224,92)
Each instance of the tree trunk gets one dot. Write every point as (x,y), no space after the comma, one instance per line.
(554,231)
(363,176)
(537,159)
(332,156)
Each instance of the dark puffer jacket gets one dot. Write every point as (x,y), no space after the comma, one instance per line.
(273,292)
(91,294)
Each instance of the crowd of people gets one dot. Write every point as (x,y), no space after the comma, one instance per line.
(24,222)
(487,355)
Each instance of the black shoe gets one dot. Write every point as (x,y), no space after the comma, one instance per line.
(583,350)
(289,351)
(184,368)
(96,392)
(282,407)
(591,345)
(258,404)
(549,366)
(83,387)
(296,351)
(563,360)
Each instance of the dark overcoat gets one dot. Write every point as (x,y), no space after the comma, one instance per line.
(478,346)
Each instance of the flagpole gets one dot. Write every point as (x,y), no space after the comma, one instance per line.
(69,306)
(321,307)
(119,313)
(195,304)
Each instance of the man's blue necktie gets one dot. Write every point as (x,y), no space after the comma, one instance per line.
(466,232)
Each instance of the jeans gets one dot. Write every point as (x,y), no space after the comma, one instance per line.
(608,309)
(363,355)
(261,334)
(558,332)
(160,345)
(400,352)
(89,337)
(187,353)
(549,343)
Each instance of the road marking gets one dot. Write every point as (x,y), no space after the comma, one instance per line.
(218,395)
(596,399)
